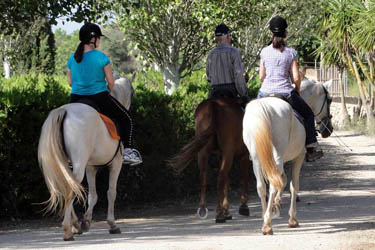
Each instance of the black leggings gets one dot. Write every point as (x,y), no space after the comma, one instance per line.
(109,106)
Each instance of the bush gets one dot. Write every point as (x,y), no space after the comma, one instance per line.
(24,105)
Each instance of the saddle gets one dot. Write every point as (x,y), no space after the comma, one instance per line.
(284,98)
(109,123)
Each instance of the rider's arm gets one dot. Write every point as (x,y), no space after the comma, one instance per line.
(69,77)
(109,76)
(262,71)
(295,75)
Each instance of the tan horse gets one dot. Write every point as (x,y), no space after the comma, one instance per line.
(274,136)
(74,133)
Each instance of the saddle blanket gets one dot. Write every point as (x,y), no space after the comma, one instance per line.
(110,126)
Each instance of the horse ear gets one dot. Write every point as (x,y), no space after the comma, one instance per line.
(327,84)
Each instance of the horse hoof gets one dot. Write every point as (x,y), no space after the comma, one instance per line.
(204,212)
(244,210)
(76,230)
(228,217)
(220,219)
(269,232)
(115,230)
(71,238)
(293,224)
(85,225)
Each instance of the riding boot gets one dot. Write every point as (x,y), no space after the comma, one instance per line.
(312,154)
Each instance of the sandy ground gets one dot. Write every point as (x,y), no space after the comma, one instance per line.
(336,211)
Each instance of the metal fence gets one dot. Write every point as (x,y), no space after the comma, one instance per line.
(322,74)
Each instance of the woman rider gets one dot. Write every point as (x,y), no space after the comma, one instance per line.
(278,65)
(90,76)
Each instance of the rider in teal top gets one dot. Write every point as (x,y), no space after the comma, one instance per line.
(88,75)
(91,78)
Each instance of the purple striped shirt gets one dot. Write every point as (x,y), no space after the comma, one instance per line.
(278,65)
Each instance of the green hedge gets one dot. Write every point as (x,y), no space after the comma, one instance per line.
(163,124)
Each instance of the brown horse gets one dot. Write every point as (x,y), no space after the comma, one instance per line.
(218,129)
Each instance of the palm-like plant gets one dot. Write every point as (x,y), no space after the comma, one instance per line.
(338,28)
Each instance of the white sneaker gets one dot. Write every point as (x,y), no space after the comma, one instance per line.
(131,157)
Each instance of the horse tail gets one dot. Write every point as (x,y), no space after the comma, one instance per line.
(190,150)
(261,131)
(204,117)
(53,162)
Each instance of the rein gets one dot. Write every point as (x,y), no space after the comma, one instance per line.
(326,100)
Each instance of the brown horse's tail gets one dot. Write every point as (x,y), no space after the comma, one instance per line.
(190,150)
(261,131)
(54,164)
(205,112)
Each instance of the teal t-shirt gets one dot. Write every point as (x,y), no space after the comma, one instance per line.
(88,77)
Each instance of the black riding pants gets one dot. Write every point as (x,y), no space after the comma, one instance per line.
(299,105)
(223,90)
(109,106)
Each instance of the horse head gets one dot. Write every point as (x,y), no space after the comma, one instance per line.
(123,90)
(317,97)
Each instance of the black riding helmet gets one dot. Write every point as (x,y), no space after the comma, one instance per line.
(278,26)
(88,31)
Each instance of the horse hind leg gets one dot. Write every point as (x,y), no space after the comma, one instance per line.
(294,188)
(277,203)
(203,155)
(78,174)
(92,197)
(76,226)
(244,165)
(267,227)
(114,172)
(222,210)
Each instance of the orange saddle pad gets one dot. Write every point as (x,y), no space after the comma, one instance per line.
(110,126)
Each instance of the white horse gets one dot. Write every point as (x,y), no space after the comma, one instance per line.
(74,133)
(273,136)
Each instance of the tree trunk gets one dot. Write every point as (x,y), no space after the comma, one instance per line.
(171,77)
(7,69)
(344,116)
(369,115)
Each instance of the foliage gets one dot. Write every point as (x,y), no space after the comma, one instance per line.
(344,44)
(66,44)
(20,14)
(24,104)
(119,50)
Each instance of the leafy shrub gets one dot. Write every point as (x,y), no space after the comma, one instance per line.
(24,105)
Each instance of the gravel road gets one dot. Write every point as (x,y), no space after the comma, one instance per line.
(336,212)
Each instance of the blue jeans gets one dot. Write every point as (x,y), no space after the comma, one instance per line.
(299,105)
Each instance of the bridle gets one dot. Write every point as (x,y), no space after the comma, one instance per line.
(328,101)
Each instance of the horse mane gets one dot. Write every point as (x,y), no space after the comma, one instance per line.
(123,90)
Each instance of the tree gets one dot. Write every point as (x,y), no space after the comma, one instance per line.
(66,44)
(339,27)
(119,50)
(170,34)
(177,35)
(19,15)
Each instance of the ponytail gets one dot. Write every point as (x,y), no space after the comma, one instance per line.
(278,43)
(78,55)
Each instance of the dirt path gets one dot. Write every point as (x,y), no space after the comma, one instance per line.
(337,211)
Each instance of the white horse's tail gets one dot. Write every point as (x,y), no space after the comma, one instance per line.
(261,132)
(54,164)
